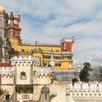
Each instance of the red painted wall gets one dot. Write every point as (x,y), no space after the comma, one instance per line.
(66,46)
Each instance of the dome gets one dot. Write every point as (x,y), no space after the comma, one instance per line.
(1,9)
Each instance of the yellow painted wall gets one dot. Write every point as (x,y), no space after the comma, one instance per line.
(14,42)
(28,48)
(65,63)
(40,55)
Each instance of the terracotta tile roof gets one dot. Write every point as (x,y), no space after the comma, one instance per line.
(5,65)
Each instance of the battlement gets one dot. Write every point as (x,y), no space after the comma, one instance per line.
(85,89)
(67,40)
(85,93)
(6,72)
(20,60)
(6,75)
(86,86)
(43,72)
(14,16)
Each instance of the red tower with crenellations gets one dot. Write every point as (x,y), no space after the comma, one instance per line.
(67,44)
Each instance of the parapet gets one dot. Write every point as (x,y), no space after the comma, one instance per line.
(67,40)
(43,72)
(24,59)
(42,76)
(13,16)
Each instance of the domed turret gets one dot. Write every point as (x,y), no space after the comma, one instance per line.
(1,9)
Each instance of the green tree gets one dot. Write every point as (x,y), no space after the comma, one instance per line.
(84,73)
(100,74)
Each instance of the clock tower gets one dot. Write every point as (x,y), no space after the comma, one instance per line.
(14,29)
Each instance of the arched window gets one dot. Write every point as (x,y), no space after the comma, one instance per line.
(23,76)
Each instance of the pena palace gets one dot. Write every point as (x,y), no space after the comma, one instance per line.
(12,45)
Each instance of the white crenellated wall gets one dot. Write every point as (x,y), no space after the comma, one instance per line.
(7,75)
(24,64)
(38,76)
(27,59)
(85,89)
(7,79)
(42,75)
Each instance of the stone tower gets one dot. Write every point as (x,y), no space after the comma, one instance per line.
(24,76)
(4,55)
(24,68)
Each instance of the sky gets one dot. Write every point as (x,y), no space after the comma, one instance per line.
(49,21)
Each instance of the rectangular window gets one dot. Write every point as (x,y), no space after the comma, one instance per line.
(47,56)
(58,64)
(23,76)
(57,57)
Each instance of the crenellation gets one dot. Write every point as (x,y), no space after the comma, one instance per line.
(25,61)
(87,89)
(30,78)
(43,72)
(38,76)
